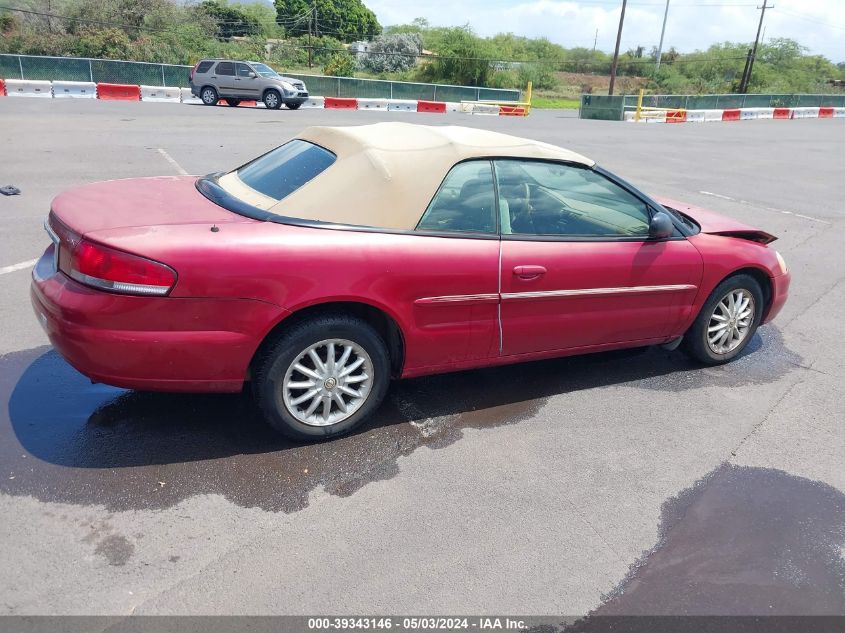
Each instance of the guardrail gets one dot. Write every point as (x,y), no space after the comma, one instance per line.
(111,71)
(612,108)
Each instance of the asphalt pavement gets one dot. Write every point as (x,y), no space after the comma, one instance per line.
(623,483)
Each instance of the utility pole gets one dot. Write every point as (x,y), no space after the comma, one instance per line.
(747,77)
(310,20)
(662,33)
(596,40)
(616,51)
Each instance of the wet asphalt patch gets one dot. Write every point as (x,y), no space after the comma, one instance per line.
(63,439)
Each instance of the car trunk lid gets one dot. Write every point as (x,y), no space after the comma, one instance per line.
(138,202)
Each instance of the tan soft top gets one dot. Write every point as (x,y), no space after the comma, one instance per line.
(387,173)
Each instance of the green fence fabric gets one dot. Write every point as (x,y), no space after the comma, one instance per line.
(612,108)
(124,72)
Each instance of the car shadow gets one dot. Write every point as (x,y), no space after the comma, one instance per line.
(64,439)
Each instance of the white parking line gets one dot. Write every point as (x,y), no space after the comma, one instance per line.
(172,161)
(22,266)
(760,206)
(716,195)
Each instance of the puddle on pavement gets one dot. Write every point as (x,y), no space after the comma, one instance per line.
(742,541)
(63,439)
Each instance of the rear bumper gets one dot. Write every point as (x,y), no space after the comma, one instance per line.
(150,343)
(780,293)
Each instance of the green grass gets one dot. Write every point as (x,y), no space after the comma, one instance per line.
(554,103)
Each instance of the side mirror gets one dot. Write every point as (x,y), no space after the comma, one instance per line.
(252,75)
(660,227)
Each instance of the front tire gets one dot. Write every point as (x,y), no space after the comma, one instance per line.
(209,96)
(323,377)
(272,100)
(233,102)
(727,321)
(293,106)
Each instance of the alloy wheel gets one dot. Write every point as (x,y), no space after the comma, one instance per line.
(731,321)
(328,382)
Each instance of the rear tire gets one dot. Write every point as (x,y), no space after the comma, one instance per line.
(272,100)
(209,96)
(305,399)
(293,106)
(233,102)
(727,321)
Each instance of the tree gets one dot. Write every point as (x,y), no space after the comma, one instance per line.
(462,58)
(347,20)
(230,21)
(340,65)
(392,53)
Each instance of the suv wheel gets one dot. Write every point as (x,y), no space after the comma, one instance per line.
(293,106)
(233,102)
(272,100)
(209,96)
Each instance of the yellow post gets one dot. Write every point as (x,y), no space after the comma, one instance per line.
(639,105)
(528,98)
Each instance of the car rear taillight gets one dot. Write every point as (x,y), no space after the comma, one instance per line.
(194,70)
(107,268)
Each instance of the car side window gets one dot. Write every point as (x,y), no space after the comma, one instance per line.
(465,201)
(545,198)
(204,66)
(244,70)
(225,68)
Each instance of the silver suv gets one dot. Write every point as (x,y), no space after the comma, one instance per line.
(233,81)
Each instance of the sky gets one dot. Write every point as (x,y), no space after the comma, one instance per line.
(692,24)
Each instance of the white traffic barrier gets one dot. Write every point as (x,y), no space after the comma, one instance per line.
(372,104)
(402,105)
(186,96)
(161,93)
(695,116)
(479,108)
(712,115)
(452,106)
(315,102)
(74,90)
(656,117)
(765,113)
(747,114)
(838,112)
(805,113)
(29,88)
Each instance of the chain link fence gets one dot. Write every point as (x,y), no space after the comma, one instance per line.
(144,73)
(613,108)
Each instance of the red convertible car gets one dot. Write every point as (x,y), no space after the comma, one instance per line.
(352,255)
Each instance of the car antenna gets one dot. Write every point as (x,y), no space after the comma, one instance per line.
(214,228)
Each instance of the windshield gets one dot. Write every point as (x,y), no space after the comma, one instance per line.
(264,70)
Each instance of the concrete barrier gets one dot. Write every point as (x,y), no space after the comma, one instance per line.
(838,113)
(747,114)
(29,88)
(161,94)
(782,113)
(74,90)
(453,106)
(676,116)
(372,104)
(480,108)
(805,113)
(402,105)
(186,96)
(341,103)
(2,87)
(695,116)
(712,115)
(118,92)
(434,107)
(731,115)
(825,113)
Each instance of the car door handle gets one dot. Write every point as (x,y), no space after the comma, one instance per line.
(529,272)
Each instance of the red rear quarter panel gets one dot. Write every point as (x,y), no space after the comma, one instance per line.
(296,267)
